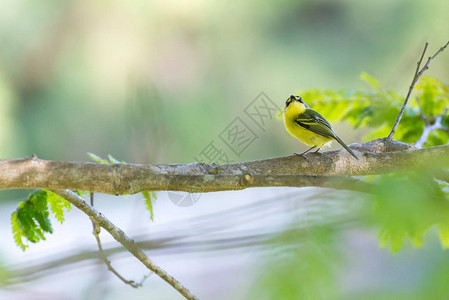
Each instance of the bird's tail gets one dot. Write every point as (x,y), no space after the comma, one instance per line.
(345,146)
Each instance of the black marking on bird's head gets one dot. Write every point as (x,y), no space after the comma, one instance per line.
(294,98)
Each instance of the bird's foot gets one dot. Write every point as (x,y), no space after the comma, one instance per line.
(303,154)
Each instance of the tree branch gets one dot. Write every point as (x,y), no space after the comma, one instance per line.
(416,77)
(376,157)
(123,239)
(436,125)
(103,256)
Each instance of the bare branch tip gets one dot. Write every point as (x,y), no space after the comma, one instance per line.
(247,179)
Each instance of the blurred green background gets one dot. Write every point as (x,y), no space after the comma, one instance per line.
(156,81)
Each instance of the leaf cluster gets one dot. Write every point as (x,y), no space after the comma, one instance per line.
(407,206)
(31,219)
(377,109)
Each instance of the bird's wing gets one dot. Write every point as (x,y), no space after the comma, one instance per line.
(316,123)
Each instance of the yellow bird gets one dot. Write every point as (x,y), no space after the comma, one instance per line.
(308,126)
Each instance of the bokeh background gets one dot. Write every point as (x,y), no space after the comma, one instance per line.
(157,81)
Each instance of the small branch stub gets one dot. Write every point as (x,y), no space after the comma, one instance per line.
(248,178)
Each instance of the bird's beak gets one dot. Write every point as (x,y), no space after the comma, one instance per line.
(290,100)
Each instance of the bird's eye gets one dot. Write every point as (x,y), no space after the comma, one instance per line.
(289,100)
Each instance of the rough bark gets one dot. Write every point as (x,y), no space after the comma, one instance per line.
(314,169)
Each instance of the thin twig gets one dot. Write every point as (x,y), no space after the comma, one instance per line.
(426,132)
(103,256)
(416,77)
(122,238)
(436,124)
(412,85)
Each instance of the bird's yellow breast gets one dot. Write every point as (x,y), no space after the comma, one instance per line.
(304,135)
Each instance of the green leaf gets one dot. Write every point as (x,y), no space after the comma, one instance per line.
(443,232)
(113,160)
(44,222)
(27,224)
(97,158)
(280,115)
(17,231)
(149,196)
(371,81)
(31,218)
(437,137)
(428,99)
(104,161)
(57,205)
(39,201)
(407,206)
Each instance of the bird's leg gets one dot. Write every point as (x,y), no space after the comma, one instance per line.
(302,154)
(317,150)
